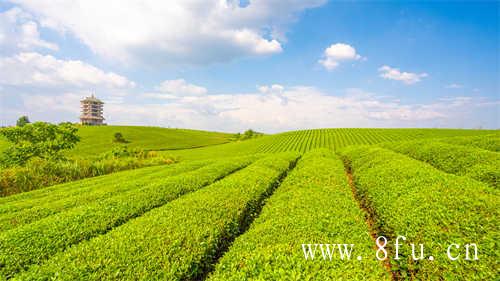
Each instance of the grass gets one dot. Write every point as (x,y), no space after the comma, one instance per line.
(86,159)
(38,173)
(99,139)
(3,143)
(62,190)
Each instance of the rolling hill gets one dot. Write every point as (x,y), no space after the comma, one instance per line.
(305,140)
(99,139)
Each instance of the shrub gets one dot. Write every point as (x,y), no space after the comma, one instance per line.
(119,138)
(37,140)
(473,162)
(17,213)
(37,172)
(427,206)
(487,142)
(35,242)
(22,121)
(177,241)
(314,204)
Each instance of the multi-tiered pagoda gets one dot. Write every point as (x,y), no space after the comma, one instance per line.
(91,111)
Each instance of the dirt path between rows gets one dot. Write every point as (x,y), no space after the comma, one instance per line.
(370,222)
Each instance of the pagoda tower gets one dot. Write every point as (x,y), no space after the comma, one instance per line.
(91,111)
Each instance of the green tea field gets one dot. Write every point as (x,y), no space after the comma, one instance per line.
(305,140)
(99,139)
(259,140)
(326,204)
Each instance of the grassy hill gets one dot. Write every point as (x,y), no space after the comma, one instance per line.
(305,140)
(95,140)
(99,139)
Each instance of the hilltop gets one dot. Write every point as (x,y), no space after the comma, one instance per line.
(99,139)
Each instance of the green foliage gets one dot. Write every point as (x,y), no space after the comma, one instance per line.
(303,141)
(40,139)
(314,204)
(488,142)
(124,151)
(38,173)
(163,223)
(306,140)
(413,199)
(177,241)
(62,189)
(476,163)
(118,137)
(248,134)
(17,213)
(23,120)
(33,243)
(98,139)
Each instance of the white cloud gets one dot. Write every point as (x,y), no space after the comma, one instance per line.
(281,109)
(454,86)
(160,32)
(180,87)
(36,70)
(273,89)
(18,31)
(408,78)
(337,53)
(64,103)
(275,108)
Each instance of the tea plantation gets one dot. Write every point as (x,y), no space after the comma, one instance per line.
(98,139)
(303,205)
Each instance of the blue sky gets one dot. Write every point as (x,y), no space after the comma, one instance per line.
(267,65)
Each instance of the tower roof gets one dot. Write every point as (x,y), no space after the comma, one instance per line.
(92,98)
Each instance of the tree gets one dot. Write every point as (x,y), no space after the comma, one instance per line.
(119,138)
(39,139)
(23,120)
(248,134)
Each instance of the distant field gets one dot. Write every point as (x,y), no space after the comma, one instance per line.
(96,140)
(305,140)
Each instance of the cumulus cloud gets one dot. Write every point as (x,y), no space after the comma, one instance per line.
(18,31)
(270,108)
(305,107)
(337,53)
(179,87)
(408,78)
(159,32)
(454,86)
(273,89)
(64,103)
(37,70)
